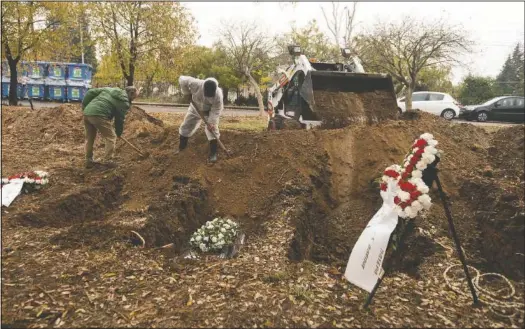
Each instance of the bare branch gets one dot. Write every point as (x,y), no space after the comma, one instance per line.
(248,48)
(404,49)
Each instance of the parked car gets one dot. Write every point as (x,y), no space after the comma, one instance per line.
(503,108)
(441,104)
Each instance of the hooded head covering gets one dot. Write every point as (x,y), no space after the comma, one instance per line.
(210,87)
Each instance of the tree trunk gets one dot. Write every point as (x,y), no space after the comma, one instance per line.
(257,93)
(129,78)
(13,85)
(408,96)
(148,86)
(225,95)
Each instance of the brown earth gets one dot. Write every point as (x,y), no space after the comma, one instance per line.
(339,110)
(300,196)
(498,196)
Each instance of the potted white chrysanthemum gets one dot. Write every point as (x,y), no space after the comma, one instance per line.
(214,235)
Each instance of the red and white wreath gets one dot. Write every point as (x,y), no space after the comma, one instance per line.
(405,182)
(33,180)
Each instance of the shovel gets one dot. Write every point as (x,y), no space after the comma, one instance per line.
(143,155)
(228,152)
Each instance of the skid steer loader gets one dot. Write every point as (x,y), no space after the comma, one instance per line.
(329,95)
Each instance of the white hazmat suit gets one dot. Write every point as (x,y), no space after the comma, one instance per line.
(210,107)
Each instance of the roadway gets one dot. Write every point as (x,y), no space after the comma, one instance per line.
(236,111)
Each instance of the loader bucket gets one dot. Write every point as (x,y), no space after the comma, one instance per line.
(339,99)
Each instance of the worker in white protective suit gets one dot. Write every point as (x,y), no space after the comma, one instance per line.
(208,97)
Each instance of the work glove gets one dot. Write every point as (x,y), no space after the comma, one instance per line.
(212,128)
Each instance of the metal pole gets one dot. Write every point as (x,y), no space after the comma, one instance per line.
(82,32)
(456,240)
(407,229)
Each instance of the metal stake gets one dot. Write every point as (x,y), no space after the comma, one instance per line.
(408,228)
(456,240)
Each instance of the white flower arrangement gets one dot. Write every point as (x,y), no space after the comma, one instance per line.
(215,234)
(410,191)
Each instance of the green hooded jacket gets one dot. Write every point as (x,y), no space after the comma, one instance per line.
(108,103)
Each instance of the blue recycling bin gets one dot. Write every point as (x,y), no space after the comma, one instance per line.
(34,70)
(6,84)
(5,90)
(55,90)
(5,87)
(79,72)
(56,70)
(21,69)
(55,82)
(35,89)
(5,69)
(75,90)
(20,91)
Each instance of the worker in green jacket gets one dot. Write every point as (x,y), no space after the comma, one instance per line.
(100,106)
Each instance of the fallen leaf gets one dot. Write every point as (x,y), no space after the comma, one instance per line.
(190,301)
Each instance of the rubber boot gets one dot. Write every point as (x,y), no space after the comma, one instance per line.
(213,151)
(183,143)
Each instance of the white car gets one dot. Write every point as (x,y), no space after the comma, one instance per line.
(433,102)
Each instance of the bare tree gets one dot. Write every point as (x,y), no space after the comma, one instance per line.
(19,35)
(341,22)
(404,49)
(248,47)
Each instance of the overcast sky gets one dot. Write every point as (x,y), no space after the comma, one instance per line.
(496,27)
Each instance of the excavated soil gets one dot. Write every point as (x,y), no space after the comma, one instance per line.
(498,196)
(339,109)
(300,196)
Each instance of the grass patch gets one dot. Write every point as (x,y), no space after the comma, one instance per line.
(158,99)
(240,123)
(301,293)
(276,277)
(255,123)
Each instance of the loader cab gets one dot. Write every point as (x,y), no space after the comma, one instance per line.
(332,67)
(294,104)
(292,98)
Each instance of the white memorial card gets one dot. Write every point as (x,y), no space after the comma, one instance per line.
(364,267)
(11,190)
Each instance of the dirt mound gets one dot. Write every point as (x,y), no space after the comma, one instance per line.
(338,109)
(65,123)
(93,235)
(506,153)
(348,196)
(79,205)
(498,200)
(500,214)
(308,193)
(45,124)
(329,174)
(180,213)
(140,124)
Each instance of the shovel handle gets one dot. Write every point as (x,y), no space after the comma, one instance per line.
(133,146)
(213,132)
